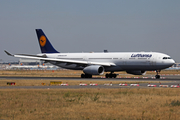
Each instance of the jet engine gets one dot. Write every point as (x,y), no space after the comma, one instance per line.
(94,70)
(137,72)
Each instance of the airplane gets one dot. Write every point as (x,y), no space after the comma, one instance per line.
(136,63)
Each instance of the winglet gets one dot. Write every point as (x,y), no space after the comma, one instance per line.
(8,53)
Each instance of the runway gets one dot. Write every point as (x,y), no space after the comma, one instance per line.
(163,78)
(170,81)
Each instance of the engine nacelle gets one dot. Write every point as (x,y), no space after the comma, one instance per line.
(137,72)
(94,70)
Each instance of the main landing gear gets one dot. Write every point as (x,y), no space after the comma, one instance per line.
(158,76)
(86,76)
(111,75)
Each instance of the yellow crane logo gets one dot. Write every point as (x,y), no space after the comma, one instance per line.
(42,41)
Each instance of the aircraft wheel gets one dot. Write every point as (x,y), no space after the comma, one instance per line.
(88,76)
(157,76)
(110,75)
(82,76)
(114,75)
(91,76)
(107,75)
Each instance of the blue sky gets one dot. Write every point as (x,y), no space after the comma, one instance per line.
(85,26)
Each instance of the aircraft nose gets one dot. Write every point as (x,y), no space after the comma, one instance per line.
(172,62)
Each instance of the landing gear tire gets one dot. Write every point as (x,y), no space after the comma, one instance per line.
(86,76)
(107,75)
(157,76)
(114,75)
(111,75)
(82,75)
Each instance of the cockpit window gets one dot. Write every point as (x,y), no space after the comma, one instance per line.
(166,57)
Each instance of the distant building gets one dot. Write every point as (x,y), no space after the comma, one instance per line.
(176,65)
(30,62)
(33,62)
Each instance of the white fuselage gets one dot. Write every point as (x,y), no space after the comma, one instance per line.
(123,61)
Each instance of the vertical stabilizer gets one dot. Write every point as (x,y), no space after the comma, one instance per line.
(44,43)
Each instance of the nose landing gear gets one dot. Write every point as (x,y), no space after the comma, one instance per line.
(157,76)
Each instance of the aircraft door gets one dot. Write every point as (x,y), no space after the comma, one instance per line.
(153,61)
(85,58)
(124,60)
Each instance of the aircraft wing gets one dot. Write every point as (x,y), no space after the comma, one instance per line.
(45,58)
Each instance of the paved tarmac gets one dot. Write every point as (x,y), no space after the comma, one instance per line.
(149,78)
(163,78)
(171,80)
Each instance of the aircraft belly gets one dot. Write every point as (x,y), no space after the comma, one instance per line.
(143,67)
(69,66)
(113,68)
(137,67)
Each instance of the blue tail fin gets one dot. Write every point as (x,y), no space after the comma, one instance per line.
(44,43)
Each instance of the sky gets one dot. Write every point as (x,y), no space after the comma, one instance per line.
(91,26)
